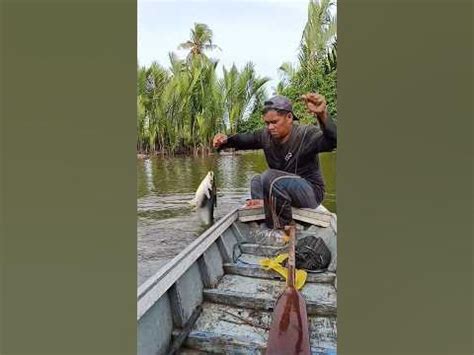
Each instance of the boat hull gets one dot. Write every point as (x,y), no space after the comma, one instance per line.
(215,298)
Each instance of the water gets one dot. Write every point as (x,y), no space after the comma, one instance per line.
(166,222)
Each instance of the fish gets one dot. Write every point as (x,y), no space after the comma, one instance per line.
(205,199)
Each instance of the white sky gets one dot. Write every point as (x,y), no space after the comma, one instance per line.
(266,32)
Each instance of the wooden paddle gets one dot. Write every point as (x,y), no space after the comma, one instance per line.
(289,332)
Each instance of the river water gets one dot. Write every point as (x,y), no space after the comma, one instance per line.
(166,222)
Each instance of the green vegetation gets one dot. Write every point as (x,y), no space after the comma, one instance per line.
(180,108)
(316,70)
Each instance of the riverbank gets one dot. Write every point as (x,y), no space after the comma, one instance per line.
(190,154)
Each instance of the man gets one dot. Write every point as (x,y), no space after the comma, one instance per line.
(291,151)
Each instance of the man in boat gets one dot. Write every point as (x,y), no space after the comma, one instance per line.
(291,150)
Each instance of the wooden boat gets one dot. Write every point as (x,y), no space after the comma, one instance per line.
(215,298)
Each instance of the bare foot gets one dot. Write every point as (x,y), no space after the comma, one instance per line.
(254,203)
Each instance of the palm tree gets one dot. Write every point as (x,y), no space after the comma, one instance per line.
(142,137)
(188,111)
(331,62)
(152,83)
(208,106)
(287,71)
(200,41)
(319,32)
(243,92)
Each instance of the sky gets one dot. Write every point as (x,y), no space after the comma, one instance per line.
(266,32)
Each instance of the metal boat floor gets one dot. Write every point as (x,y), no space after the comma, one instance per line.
(232,330)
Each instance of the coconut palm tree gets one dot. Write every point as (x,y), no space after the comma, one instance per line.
(200,41)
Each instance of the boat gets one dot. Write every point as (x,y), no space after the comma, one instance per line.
(215,298)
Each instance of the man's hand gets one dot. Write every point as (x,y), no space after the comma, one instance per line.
(316,104)
(219,139)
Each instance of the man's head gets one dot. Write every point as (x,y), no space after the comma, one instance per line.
(278,116)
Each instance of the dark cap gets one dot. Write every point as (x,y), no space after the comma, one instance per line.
(279,103)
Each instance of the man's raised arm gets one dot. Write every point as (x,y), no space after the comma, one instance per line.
(240,141)
(327,141)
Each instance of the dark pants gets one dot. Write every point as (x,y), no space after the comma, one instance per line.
(280,191)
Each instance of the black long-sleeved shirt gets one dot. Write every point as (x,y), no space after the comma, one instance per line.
(298,155)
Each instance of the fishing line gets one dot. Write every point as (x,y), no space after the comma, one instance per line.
(271,198)
(299,149)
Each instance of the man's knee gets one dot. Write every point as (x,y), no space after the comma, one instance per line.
(268,176)
(255,180)
(256,188)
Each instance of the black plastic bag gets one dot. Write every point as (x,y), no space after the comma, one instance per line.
(312,254)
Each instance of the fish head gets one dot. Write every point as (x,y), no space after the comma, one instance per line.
(210,176)
(210,184)
(205,199)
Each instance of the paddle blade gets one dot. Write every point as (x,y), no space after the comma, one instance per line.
(289,333)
